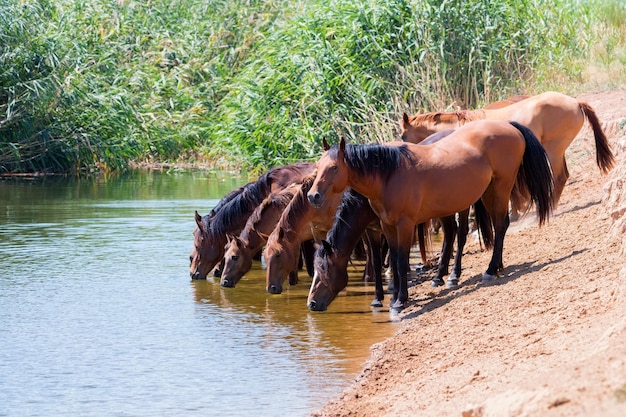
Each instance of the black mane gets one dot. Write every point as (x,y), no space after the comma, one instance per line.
(374,159)
(231,215)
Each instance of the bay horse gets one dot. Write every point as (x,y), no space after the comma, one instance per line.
(353,218)
(211,231)
(240,250)
(554,118)
(407,184)
(300,221)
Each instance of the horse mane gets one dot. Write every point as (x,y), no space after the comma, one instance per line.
(350,201)
(225,200)
(241,206)
(298,205)
(281,199)
(374,159)
(461,116)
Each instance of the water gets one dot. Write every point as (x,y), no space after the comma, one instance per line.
(98,316)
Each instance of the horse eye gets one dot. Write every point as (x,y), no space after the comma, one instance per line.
(235,257)
(191,259)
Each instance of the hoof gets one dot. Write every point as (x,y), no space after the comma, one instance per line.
(376,303)
(397,305)
(452,283)
(487,278)
(437,282)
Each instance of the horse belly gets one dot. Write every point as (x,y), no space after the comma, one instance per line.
(453,194)
(437,193)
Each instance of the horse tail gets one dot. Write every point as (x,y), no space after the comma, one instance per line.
(604,155)
(483,223)
(535,174)
(424,241)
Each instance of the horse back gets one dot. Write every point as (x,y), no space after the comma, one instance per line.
(283,176)
(551,116)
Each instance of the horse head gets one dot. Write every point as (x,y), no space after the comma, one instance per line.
(281,261)
(416,128)
(329,279)
(207,250)
(331,177)
(237,261)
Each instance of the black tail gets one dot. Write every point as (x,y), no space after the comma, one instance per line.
(536,175)
(484,224)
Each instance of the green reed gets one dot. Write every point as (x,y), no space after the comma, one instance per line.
(91,86)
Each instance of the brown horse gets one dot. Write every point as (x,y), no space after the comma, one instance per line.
(240,250)
(554,118)
(409,184)
(210,235)
(299,222)
(353,217)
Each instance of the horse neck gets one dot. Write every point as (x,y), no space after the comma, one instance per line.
(466,116)
(297,215)
(365,185)
(350,224)
(250,239)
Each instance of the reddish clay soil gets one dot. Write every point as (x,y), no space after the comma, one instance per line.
(547,338)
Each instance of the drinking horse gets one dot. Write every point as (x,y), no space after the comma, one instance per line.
(240,250)
(408,184)
(299,222)
(210,235)
(554,118)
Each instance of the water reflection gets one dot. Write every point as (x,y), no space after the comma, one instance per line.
(98,315)
(348,329)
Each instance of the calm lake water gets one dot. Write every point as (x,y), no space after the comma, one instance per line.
(98,316)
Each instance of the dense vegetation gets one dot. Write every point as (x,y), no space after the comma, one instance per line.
(92,85)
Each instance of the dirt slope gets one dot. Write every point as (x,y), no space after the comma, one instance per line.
(548,338)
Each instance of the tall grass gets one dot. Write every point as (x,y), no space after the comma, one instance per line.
(95,85)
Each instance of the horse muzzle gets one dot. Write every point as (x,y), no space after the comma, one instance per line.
(317,306)
(315,198)
(275,289)
(197,275)
(228,283)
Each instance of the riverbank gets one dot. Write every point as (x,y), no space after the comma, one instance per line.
(548,338)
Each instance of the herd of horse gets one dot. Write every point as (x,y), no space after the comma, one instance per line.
(501,161)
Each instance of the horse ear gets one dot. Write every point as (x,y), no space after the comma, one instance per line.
(325,144)
(342,145)
(281,233)
(405,119)
(198,220)
(238,241)
(327,246)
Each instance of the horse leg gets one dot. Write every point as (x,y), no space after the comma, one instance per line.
(448,224)
(368,273)
(308,255)
(560,175)
(403,233)
(374,257)
(293,275)
(498,210)
(461,237)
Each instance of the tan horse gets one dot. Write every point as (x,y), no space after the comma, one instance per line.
(506,102)
(554,118)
